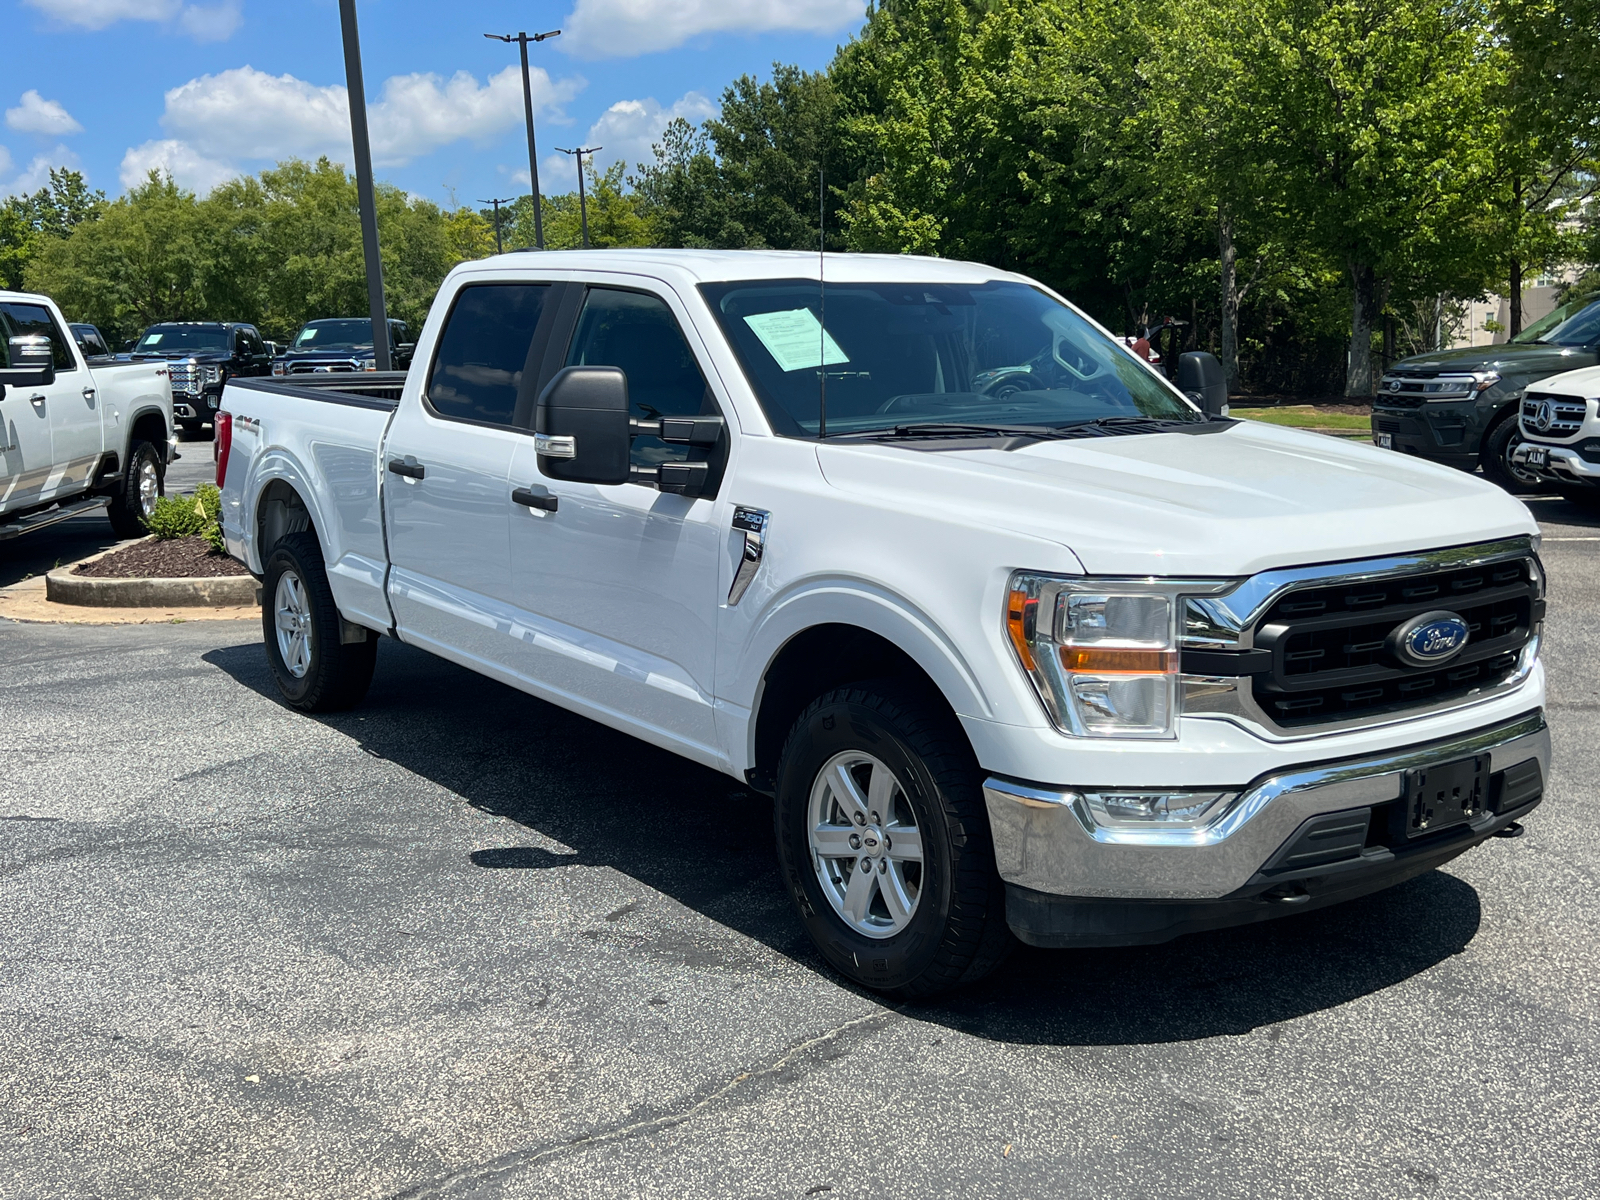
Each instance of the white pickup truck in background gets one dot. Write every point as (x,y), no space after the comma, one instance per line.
(1022,640)
(74,436)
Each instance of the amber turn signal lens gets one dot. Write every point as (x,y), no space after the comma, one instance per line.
(1017,614)
(1090,661)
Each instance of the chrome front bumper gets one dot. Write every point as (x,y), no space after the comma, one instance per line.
(1045,838)
(1563,460)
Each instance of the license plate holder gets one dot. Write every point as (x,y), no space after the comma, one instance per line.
(1385,441)
(1538,456)
(1446,794)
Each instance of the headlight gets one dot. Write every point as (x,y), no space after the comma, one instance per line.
(1482,381)
(1102,654)
(279,368)
(371,365)
(212,374)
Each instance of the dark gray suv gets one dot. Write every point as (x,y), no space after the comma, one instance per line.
(1459,407)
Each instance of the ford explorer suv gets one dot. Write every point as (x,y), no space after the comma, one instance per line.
(341,345)
(201,356)
(1460,407)
(75,436)
(1561,434)
(1022,641)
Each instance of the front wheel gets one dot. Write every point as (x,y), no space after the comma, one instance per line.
(883,840)
(314,668)
(143,483)
(1496,459)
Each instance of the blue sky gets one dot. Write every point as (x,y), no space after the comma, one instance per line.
(210,88)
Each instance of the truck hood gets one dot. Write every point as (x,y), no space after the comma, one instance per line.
(1531,360)
(1244,499)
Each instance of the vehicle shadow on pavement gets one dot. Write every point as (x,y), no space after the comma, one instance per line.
(702,839)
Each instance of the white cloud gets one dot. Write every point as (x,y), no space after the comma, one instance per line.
(36,174)
(35,114)
(203,22)
(187,167)
(217,122)
(625,133)
(620,28)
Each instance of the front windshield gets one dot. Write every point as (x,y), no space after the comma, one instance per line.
(1573,324)
(159,339)
(335,335)
(900,354)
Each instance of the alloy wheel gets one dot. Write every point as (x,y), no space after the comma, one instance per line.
(292,621)
(865,845)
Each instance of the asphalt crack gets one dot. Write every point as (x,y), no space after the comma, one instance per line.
(516,1161)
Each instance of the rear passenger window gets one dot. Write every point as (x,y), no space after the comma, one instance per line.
(19,320)
(639,334)
(483,351)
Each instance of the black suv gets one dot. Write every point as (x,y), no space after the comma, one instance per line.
(203,355)
(342,344)
(1459,407)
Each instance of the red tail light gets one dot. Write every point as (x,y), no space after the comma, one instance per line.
(221,443)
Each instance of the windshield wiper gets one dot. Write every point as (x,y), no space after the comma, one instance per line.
(935,429)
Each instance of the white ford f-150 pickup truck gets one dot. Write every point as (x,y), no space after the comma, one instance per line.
(1019,638)
(75,435)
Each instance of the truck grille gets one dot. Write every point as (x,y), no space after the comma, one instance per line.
(1330,655)
(1565,414)
(185,378)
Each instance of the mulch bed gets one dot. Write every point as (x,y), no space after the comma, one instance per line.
(179,558)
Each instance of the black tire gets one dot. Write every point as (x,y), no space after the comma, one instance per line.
(132,502)
(1495,458)
(1584,496)
(334,674)
(956,932)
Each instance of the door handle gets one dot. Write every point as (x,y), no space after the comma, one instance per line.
(410,468)
(535,499)
(88,393)
(36,398)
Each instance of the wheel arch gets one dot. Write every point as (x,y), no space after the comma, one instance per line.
(869,638)
(150,425)
(284,504)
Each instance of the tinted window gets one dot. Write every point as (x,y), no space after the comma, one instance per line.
(477,369)
(639,334)
(901,353)
(20,320)
(162,339)
(331,335)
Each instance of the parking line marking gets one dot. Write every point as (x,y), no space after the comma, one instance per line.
(1582,539)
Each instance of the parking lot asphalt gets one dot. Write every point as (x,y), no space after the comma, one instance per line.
(459,943)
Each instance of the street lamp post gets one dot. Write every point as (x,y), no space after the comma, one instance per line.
(365,200)
(583,201)
(522,40)
(497,204)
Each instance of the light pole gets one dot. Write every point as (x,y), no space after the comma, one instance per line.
(497,204)
(357,92)
(522,40)
(583,201)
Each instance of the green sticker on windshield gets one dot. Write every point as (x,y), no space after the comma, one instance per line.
(796,339)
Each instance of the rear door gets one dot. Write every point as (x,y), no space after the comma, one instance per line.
(446,466)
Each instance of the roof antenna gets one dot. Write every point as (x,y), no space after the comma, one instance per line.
(822,304)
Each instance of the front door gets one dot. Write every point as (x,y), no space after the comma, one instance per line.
(619,584)
(446,470)
(51,437)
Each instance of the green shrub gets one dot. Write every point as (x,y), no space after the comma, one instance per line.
(186,516)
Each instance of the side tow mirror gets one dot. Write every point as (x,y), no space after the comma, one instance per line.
(581,431)
(32,362)
(1200,377)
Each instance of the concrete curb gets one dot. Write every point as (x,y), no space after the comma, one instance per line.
(228,591)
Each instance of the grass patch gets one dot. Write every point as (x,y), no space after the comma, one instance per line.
(1303,416)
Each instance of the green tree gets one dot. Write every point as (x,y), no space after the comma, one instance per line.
(54,211)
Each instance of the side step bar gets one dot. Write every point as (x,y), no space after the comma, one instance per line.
(51,516)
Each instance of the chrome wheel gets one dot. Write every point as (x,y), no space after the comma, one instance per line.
(149,487)
(865,844)
(292,620)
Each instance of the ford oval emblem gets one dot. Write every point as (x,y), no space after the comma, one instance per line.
(1429,640)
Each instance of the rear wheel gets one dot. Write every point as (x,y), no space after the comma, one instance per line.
(1496,458)
(316,671)
(143,483)
(883,840)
